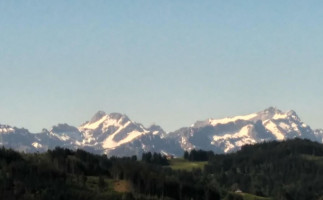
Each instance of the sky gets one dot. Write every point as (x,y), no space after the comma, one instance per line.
(160,62)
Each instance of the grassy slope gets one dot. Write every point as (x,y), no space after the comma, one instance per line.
(112,189)
(247,196)
(317,159)
(182,164)
(122,186)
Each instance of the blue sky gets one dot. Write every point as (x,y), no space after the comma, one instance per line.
(164,62)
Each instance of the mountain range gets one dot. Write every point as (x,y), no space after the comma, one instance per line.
(116,135)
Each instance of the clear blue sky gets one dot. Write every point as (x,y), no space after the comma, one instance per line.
(164,62)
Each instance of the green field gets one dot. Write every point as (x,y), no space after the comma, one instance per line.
(92,183)
(317,159)
(182,164)
(247,196)
(91,188)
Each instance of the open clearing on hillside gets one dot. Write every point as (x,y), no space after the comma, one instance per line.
(247,196)
(182,164)
(122,186)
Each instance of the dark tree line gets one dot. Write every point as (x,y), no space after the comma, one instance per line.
(289,170)
(65,174)
(154,158)
(198,155)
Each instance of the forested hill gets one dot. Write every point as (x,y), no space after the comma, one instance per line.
(291,169)
(288,170)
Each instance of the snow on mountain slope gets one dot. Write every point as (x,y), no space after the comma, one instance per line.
(21,139)
(229,134)
(5,129)
(215,122)
(110,131)
(242,136)
(115,134)
(275,129)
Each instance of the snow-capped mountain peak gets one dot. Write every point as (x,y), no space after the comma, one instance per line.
(269,113)
(104,121)
(111,130)
(116,134)
(230,133)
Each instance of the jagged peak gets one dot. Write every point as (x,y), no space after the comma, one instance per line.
(293,115)
(274,113)
(97,116)
(198,124)
(60,128)
(156,128)
(272,110)
(44,130)
(118,116)
(103,120)
(270,113)
(291,112)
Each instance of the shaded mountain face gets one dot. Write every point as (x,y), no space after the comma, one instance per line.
(116,135)
(17,138)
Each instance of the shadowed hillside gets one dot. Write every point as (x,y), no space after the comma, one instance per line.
(291,169)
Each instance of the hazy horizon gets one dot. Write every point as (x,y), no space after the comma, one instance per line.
(168,63)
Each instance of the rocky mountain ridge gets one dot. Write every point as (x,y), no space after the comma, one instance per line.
(115,134)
